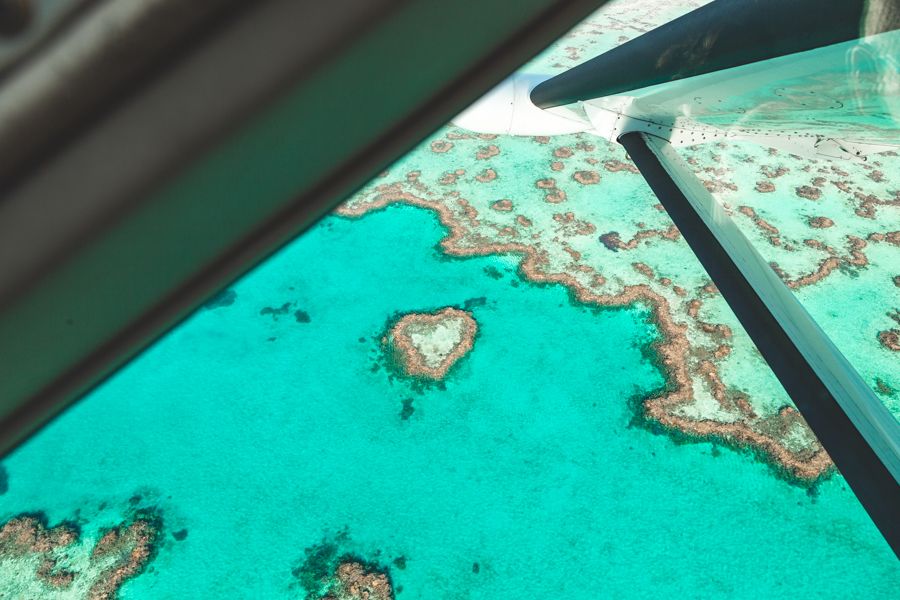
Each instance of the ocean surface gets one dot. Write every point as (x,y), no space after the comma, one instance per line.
(270,422)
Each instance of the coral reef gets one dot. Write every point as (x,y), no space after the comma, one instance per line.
(37,560)
(355,581)
(327,573)
(427,344)
(675,409)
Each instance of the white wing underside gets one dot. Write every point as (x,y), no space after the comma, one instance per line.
(840,102)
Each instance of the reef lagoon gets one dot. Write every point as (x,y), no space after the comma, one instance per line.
(271,433)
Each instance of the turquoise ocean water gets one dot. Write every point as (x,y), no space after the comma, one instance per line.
(263,434)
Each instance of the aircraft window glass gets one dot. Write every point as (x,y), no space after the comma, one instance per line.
(497,370)
(831,230)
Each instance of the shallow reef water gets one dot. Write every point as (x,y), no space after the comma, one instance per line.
(280,440)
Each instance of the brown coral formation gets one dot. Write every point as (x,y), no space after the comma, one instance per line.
(486,176)
(614,242)
(611,241)
(716,185)
(890,339)
(131,548)
(769,229)
(120,554)
(554,194)
(486,152)
(354,581)
(820,222)
(427,344)
(892,238)
(441,146)
(644,270)
(839,171)
(450,178)
(569,225)
(587,177)
(53,575)
(673,350)
(504,205)
(614,166)
(29,534)
(808,192)
(855,258)
(765,187)
(868,203)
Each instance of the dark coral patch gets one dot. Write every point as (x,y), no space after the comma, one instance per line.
(276,312)
(327,573)
(883,388)
(611,240)
(493,272)
(407,411)
(317,565)
(475,302)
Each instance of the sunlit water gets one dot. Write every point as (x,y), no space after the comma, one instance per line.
(263,434)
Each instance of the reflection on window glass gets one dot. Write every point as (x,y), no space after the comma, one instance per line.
(496,372)
(831,230)
(25,23)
